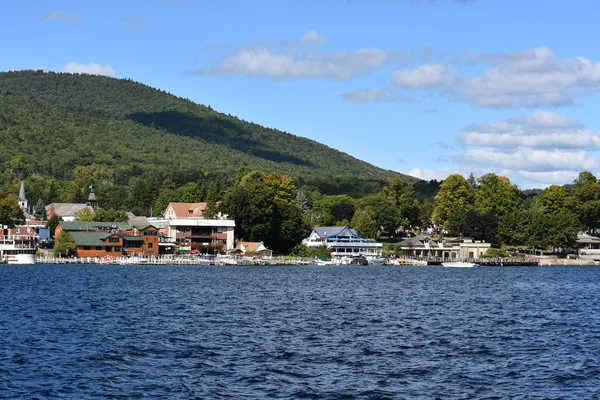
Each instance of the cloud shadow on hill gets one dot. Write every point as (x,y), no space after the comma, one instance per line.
(214,130)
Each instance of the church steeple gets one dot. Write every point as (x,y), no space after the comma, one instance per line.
(22,198)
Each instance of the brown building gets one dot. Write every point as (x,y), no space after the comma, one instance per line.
(114,239)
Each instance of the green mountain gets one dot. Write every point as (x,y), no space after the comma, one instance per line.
(53,124)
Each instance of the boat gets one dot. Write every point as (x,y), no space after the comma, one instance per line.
(459,264)
(18,249)
(377,261)
(359,260)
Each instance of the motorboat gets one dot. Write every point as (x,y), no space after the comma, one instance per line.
(460,264)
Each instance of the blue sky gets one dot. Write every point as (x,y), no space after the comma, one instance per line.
(424,87)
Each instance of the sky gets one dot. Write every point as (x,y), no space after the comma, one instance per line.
(423,87)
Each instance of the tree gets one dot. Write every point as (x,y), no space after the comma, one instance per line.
(512,229)
(495,193)
(483,227)
(190,193)
(322,209)
(365,223)
(454,197)
(265,209)
(65,245)
(212,197)
(552,225)
(585,201)
(342,211)
(165,197)
(11,214)
(39,210)
(385,213)
(552,230)
(52,223)
(85,215)
(403,196)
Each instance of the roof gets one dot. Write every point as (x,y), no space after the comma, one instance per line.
(252,246)
(138,220)
(90,238)
(133,238)
(22,192)
(66,209)
(327,231)
(186,210)
(411,242)
(90,226)
(587,239)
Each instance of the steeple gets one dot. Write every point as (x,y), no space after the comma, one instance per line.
(22,198)
(92,202)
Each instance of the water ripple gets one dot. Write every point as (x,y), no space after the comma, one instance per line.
(71,332)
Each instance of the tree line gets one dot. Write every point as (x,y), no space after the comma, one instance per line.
(272,208)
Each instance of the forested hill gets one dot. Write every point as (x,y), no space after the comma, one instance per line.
(53,123)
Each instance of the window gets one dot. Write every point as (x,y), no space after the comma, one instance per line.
(117,249)
(114,240)
(149,245)
(87,247)
(109,249)
(98,247)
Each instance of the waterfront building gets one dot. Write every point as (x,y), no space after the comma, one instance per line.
(252,248)
(114,239)
(188,228)
(343,242)
(427,246)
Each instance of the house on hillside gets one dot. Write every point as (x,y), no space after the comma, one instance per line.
(191,231)
(343,242)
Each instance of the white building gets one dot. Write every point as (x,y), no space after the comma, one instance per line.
(343,242)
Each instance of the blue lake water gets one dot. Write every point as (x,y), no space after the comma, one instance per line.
(135,332)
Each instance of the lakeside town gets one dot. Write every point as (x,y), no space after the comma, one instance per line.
(185,236)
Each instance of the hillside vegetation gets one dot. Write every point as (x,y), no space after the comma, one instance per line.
(73,130)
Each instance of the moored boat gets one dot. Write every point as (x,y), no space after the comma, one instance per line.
(460,264)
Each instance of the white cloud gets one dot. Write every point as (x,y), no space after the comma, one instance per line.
(376,95)
(535,151)
(528,78)
(91,69)
(531,160)
(549,178)
(423,77)
(262,62)
(291,60)
(312,38)
(430,174)
(543,130)
(62,16)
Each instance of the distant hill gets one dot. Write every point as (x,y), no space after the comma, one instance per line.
(51,123)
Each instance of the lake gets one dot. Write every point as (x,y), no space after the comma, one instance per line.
(315,332)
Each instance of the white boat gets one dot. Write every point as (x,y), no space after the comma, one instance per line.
(18,249)
(459,264)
